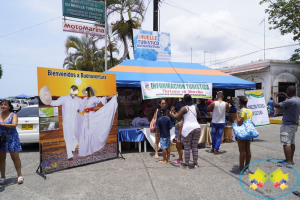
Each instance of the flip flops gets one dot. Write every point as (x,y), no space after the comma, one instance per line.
(177,161)
(161,161)
(184,166)
(284,165)
(284,161)
(2,180)
(20,180)
(296,193)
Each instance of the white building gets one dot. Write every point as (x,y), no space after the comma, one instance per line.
(269,75)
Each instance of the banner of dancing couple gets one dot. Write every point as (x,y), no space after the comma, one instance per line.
(77,117)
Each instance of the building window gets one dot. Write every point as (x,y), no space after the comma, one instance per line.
(258,86)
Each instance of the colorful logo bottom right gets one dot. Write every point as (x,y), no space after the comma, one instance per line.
(269,179)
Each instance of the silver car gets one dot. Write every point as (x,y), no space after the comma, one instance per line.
(28,124)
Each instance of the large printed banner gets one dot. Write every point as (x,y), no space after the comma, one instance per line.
(256,102)
(151,45)
(152,90)
(77,117)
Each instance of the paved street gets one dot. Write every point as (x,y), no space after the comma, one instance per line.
(141,177)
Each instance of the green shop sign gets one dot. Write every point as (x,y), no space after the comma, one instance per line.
(84,9)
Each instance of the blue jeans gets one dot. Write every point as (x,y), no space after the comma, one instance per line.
(216,135)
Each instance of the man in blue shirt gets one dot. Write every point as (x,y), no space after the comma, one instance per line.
(163,126)
(290,121)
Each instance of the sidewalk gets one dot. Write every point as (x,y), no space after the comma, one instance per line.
(141,177)
(277,120)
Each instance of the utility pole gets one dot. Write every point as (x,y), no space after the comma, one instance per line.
(155,15)
(105,14)
(204,55)
(264,20)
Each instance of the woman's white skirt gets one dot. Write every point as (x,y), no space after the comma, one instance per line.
(93,128)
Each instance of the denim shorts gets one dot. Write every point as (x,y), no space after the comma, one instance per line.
(287,134)
(164,143)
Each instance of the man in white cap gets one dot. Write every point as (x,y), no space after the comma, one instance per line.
(70,104)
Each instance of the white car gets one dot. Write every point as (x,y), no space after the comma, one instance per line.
(28,124)
(18,104)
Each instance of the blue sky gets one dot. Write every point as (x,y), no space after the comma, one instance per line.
(219,27)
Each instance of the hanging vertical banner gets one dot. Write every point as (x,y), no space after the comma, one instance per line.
(151,45)
(256,102)
(77,117)
(152,90)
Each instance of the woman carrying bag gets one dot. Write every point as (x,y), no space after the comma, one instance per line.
(245,131)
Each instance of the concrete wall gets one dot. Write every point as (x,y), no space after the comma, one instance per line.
(260,76)
(284,72)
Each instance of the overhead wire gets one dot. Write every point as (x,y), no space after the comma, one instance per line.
(234,25)
(196,15)
(29,27)
(233,58)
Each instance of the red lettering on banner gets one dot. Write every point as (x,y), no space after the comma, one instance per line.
(67,26)
(147,37)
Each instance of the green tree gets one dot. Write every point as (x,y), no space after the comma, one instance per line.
(112,48)
(83,54)
(1,71)
(122,28)
(285,16)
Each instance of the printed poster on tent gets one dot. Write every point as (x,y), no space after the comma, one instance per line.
(151,45)
(153,90)
(77,117)
(256,102)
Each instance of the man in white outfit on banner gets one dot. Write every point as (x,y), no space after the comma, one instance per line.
(70,104)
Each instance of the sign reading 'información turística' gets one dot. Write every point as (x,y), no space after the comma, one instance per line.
(84,9)
(152,90)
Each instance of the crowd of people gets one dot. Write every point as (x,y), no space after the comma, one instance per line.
(187,129)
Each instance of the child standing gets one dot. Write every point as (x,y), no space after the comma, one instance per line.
(178,129)
(163,126)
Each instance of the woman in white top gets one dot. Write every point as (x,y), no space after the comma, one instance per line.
(218,121)
(191,129)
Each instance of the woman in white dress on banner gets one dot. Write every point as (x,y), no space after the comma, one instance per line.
(93,127)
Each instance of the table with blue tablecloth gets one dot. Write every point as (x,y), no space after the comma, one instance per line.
(132,135)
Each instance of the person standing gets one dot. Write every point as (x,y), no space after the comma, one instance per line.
(290,121)
(163,129)
(8,124)
(244,145)
(209,111)
(157,114)
(270,103)
(191,129)
(218,121)
(202,107)
(178,135)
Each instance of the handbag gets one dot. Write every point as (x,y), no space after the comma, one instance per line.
(246,131)
(153,123)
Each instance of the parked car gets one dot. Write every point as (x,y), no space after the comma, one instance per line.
(28,124)
(18,104)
